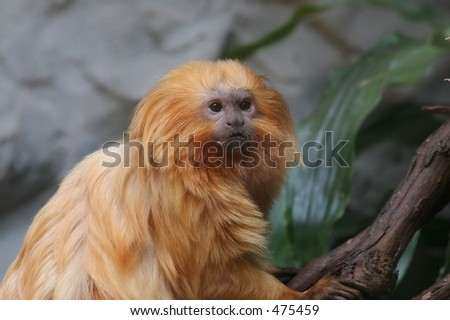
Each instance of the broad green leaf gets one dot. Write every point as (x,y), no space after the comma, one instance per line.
(315,196)
(244,51)
(408,66)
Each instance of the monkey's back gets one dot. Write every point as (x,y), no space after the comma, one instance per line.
(81,244)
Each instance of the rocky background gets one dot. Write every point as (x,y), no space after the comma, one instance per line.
(71,72)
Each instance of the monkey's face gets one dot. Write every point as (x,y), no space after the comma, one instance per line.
(231,112)
(213,110)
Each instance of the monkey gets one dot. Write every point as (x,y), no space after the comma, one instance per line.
(185,217)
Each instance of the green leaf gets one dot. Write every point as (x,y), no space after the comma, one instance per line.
(244,51)
(315,196)
(409,65)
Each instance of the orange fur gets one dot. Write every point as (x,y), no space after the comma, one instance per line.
(162,233)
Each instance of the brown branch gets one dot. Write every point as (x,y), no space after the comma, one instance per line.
(440,290)
(370,258)
(437,109)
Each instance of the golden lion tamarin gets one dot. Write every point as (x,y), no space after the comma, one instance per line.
(182,214)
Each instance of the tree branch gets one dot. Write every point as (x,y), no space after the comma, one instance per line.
(440,290)
(371,257)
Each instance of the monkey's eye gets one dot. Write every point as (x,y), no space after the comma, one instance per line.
(245,105)
(215,107)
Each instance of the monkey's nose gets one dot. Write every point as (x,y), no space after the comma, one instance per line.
(236,123)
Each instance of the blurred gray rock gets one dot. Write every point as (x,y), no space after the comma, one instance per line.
(71,72)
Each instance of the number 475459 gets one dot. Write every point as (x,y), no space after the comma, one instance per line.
(290,309)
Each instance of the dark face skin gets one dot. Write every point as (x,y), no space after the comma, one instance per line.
(232,112)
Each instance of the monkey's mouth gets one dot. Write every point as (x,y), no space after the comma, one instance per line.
(236,139)
(237,136)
